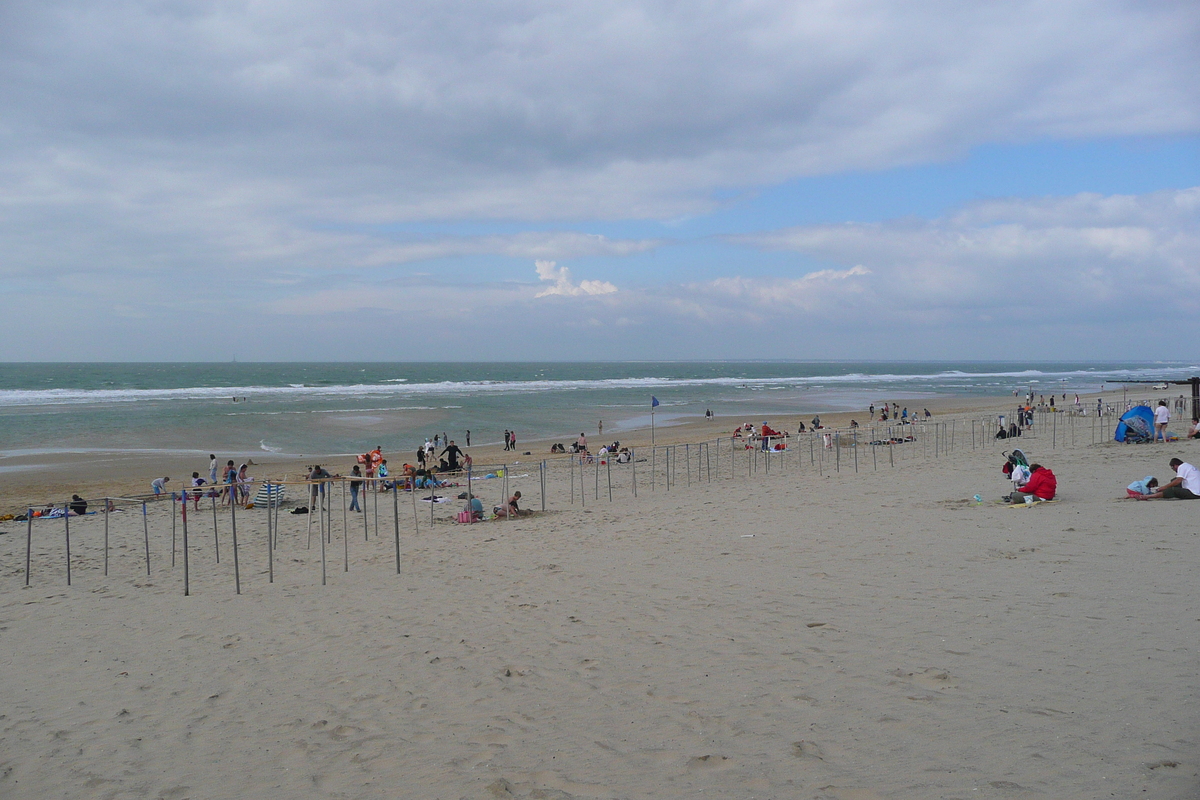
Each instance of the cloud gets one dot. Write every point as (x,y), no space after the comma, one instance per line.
(190,161)
(1087,256)
(372,112)
(528,244)
(561,278)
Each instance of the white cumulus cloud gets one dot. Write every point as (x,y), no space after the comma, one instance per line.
(560,277)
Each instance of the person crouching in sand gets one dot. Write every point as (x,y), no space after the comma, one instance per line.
(510,509)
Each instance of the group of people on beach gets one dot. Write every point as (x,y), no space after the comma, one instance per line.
(232,487)
(896,413)
(451,459)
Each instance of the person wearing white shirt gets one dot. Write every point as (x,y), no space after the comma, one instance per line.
(1162,415)
(1186,485)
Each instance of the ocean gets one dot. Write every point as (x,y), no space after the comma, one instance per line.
(344,408)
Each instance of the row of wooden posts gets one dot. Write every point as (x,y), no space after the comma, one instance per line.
(316,490)
(702,462)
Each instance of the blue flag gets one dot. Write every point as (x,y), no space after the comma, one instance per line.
(653,401)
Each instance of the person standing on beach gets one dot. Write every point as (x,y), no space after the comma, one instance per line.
(452,452)
(229,478)
(600,428)
(212,468)
(421,456)
(1162,415)
(159,485)
(512,439)
(468,437)
(355,485)
(581,443)
(243,483)
(507,438)
(317,491)
(197,482)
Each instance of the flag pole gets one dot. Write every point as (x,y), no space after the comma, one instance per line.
(653,405)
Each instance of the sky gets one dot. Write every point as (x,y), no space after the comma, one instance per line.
(523,180)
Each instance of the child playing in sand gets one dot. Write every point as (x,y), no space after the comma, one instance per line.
(1147,485)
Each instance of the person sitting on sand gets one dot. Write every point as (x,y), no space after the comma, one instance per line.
(1194,431)
(1185,486)
(159,485)
(78,506)
(511,509)
(1042,485)
(476,508)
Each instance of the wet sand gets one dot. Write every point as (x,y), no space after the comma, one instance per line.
(35,480)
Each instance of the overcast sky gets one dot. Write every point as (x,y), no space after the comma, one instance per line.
(599,180)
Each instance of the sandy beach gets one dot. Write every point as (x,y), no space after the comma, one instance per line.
(37,479)
(802,633)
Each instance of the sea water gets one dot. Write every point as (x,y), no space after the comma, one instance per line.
(340,408)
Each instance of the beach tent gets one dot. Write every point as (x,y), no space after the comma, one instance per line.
(269,494)
(1136,425)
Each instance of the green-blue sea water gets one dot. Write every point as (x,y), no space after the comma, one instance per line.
(299,408)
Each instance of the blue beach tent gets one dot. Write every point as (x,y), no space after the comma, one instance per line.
(1136,425)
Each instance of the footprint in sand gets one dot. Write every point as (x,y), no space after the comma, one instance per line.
(929,678)
(807,749)
(501,788)
(708,762)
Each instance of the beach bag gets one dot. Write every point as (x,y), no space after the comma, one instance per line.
(464,516)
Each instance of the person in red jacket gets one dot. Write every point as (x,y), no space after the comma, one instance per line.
(1041,486)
